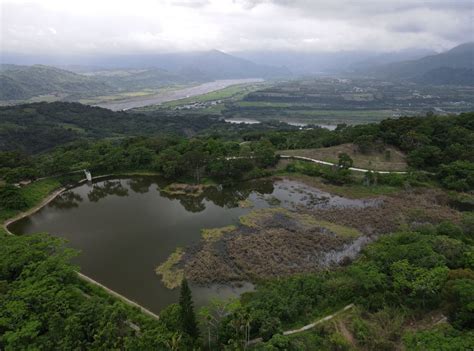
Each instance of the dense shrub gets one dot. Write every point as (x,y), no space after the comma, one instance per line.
(11,198)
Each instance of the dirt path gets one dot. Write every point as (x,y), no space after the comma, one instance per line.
(346,333)
(308,326)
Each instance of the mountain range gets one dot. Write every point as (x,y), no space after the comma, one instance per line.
(104,76)
(455,66)
(317,63)
(85,77)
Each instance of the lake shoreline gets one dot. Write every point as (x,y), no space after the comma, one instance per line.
(82,276)
(304,215)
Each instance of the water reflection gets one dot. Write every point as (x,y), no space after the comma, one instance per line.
(222,196)
(67,200)
(140,185)
(108,187)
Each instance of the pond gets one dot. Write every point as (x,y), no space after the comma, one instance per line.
(124,228)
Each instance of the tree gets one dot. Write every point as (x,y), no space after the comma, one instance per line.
(338,176)
(11,198)
(264,153)
(167,163)
(171,316)
(442,337)
(140,156)
(194,161)
(425,156)
(370,178)
(35,270)
(345,161)
(365,143)
(417,282)
(174,343)
(188,318)
(458,175)
(459,294)
(214,314)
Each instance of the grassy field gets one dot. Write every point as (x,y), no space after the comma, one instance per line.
(235,92)
(132,94)
(379,161)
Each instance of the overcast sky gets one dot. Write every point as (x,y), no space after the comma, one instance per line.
(154,26)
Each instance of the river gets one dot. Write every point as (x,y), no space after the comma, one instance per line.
(172,95)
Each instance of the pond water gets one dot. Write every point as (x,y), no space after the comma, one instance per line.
(126,227)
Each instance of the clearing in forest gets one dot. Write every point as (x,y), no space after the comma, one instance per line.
(389,159)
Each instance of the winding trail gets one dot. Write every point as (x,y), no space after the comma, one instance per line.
(308,326)
(303,158)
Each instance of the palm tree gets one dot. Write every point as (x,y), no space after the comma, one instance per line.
(175,342)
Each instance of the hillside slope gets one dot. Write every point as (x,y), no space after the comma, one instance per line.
(37,127)
(24,82)
(457,59)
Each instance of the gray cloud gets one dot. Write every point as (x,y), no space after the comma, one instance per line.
(407,28)
(120,26)
(190,3)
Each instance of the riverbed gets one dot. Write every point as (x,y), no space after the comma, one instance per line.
(172,95)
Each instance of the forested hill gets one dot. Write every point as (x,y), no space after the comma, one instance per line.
(38,127)
(24,82)
(432,143)
(20,83)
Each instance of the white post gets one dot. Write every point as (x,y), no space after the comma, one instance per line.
(88,175)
